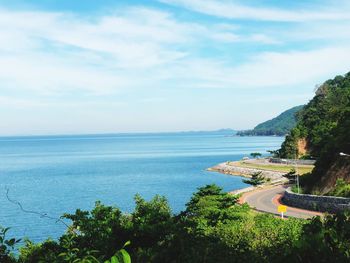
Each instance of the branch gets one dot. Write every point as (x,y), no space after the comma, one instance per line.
(42,215)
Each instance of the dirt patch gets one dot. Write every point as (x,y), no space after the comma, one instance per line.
(302,147)
(339,170)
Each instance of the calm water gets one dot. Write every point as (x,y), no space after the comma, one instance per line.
(58,174)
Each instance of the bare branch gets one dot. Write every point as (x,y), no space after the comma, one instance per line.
(42,215)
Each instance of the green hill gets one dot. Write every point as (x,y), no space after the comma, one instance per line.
(278,126)
(324,127)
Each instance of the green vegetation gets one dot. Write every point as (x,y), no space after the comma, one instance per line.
(285,168)
(341,189)
(274,153)
(324,123)
(212,228)
(256,155)
(257,179)
(291,174)
(296,190)
(279,126)
(6,246)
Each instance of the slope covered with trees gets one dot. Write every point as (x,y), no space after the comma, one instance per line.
(324,125)
(278,126)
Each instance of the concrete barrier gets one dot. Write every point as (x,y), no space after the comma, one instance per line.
(292,161)
(329,204)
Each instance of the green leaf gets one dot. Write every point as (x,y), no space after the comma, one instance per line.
(127,243)
(125,256)
(114,259)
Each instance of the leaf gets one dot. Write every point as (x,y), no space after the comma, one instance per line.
(3,248)
(127,243)
(114,259)
(125,256)
(91,259)
(10,242)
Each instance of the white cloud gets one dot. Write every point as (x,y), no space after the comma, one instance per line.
(56,52)
(235,10)
(261,38)
(139,62)
(226,37)
(329,32)
(53,53)
(293,68)
(267,70)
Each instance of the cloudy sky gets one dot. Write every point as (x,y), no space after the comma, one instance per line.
(89,66)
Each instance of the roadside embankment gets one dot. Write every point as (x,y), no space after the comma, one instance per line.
(329,204)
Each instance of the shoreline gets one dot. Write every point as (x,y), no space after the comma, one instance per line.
(275,177)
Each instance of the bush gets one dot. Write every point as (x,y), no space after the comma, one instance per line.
(212,228)
(342,189)
(256,179)
(7,246)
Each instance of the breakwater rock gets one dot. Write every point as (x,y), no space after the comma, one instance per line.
(231,168)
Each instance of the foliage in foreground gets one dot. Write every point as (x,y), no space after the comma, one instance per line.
(212,228)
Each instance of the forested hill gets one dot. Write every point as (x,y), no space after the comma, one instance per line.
(278,126)
(324,127)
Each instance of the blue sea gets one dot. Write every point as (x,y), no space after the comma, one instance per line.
(53,175)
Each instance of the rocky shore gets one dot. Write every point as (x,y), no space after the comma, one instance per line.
(273,177)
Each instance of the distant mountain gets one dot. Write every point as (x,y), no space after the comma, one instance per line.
(226,132)
(279,126)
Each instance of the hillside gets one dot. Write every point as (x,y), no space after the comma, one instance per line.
(278,126)
(324,127)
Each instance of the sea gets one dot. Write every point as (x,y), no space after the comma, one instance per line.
(43,177)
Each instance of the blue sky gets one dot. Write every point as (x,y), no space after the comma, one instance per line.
(88,66)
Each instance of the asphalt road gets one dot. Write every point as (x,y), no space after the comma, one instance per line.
(267,200)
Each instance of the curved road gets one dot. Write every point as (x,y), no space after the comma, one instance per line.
(268,199)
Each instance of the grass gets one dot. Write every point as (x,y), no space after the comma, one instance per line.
(295,190)
(276,167)
(341,189)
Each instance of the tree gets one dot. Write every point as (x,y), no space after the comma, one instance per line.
(274,153)
(326,240)
(7,246)
(324,125)
(213,228)
(256,179)
(291,175)
(255,155)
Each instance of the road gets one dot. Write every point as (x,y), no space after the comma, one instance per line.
(268,199)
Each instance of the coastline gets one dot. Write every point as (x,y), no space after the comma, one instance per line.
(274,177)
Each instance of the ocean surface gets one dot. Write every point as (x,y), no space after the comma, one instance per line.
(56,174)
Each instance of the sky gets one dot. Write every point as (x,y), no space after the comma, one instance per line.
(84,66)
